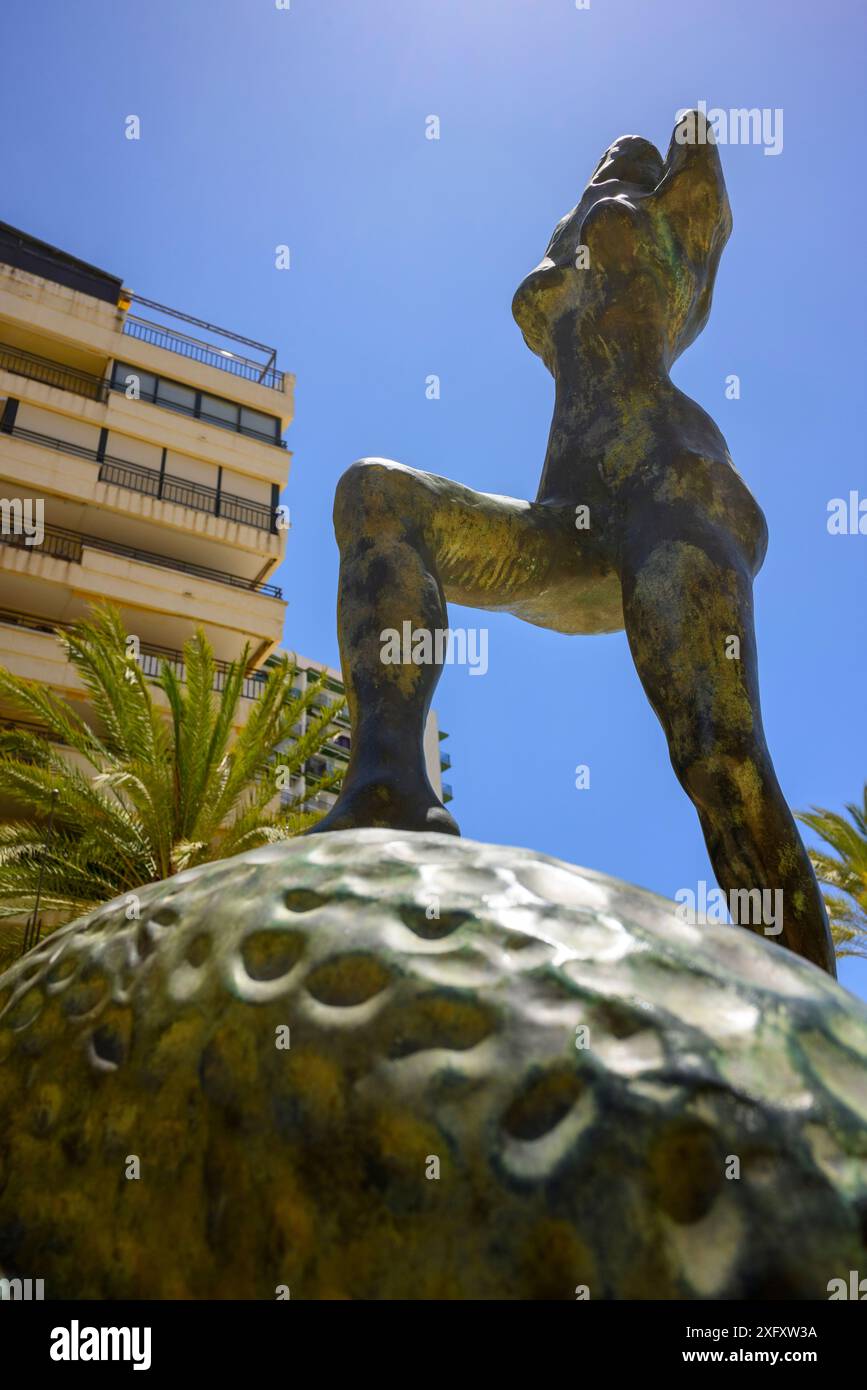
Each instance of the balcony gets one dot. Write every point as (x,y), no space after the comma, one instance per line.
(173,339)
(150,655)
(197,496)
(164,486)
(445,761)
(69,545)
(169,394)
(50,373)
(448,794)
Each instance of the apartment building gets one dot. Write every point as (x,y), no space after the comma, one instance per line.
(142,460)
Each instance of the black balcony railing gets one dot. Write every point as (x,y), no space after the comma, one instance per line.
(59,544)
(69,545)
(185,346)
(150,655)
(197,496)
(164,486)
(43,369)
(214,354)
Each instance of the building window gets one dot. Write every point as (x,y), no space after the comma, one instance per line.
(254,422)
(215,410)
(134,381)
(176,397)
(219,412)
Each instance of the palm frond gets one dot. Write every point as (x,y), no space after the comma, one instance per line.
(61,723)
(154,789)
(844,871)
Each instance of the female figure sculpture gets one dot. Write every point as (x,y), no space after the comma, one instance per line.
(640,522)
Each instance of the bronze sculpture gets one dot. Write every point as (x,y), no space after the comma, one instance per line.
(641,521)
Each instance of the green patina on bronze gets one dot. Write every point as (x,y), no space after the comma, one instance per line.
(583,1065)
(674,539)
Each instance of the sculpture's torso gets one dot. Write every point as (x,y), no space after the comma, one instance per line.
(665,465)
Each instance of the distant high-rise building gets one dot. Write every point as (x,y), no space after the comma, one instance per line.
(336,752)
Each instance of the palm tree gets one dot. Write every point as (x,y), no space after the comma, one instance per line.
(846,872)
(149,790)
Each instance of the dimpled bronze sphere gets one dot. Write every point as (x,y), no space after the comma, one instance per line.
(503,1077)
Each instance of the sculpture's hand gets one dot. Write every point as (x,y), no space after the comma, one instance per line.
(691,202)
(692,192)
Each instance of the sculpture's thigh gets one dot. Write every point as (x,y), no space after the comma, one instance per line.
(502,554)
(525,558)
(483,549)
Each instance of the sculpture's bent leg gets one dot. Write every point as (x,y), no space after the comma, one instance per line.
(407,541)
(684,600)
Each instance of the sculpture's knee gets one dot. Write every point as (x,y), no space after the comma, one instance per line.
(369,496)
(722,777)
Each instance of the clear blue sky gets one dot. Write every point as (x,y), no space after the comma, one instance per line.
(306,127)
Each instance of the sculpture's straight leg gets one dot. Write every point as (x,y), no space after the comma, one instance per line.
(684,601)
(408,541)
(387,576)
